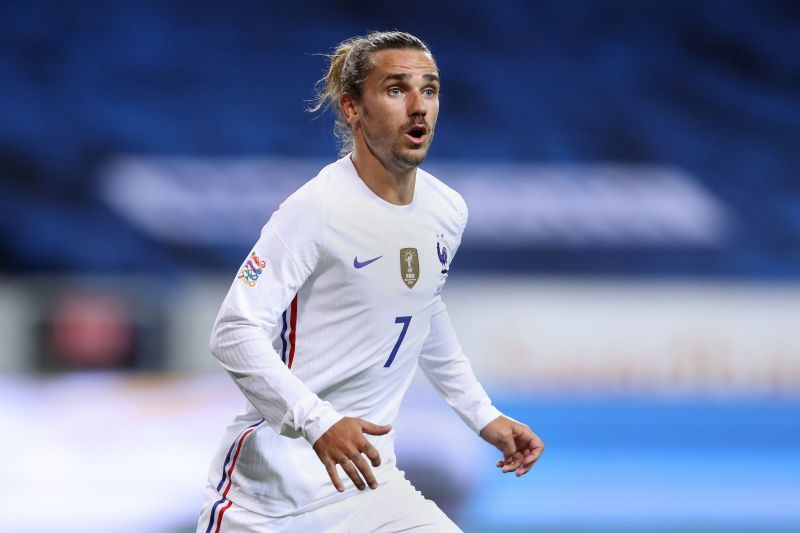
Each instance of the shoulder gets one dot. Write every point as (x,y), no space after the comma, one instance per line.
(443,195)
(311,194)
(303,211)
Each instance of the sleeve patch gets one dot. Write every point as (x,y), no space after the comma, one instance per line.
(252,269)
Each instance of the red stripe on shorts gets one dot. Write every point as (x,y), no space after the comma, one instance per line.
(230,474)
(219,518)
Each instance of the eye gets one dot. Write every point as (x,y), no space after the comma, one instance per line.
(394,91)
(429,92)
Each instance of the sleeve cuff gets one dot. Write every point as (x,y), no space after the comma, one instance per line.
(320,419)
(484,416)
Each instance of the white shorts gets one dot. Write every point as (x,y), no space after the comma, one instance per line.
(394,506)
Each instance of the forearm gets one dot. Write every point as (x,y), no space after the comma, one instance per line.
(456,383)
(289,407)
(270,276)
(445,365)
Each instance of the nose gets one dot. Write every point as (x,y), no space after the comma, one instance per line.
(416,105)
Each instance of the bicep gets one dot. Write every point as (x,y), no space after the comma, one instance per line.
(441,345)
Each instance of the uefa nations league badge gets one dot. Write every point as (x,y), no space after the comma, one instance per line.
(252,268)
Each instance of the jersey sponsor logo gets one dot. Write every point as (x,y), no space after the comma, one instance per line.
(362,264)
(409,266)
(252,268)
(441,252)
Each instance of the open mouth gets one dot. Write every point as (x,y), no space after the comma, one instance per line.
(417,134)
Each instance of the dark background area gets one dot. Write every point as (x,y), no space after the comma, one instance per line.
(712,88)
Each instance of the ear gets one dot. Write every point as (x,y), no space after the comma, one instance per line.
(350,110)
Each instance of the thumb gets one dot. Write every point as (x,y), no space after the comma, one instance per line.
(373,429)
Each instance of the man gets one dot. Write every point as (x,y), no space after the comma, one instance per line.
(334,308)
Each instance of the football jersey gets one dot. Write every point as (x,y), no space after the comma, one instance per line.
(330,314)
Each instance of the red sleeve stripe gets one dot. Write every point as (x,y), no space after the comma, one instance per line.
(293,332)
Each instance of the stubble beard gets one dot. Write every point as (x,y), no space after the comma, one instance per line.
(413,156)
(401,157)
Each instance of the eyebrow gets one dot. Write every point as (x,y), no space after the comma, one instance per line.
(403,77)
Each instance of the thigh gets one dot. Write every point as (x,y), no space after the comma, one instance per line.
(398,506)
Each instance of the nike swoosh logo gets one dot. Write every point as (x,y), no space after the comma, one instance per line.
(358,264)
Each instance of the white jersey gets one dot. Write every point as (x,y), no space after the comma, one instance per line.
(329,316)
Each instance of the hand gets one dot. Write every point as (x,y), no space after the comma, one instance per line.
(521,447)
(343,444)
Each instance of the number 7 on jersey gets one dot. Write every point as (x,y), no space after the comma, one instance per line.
(405,320)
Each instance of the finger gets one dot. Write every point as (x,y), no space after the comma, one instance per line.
(524,436)
(531,457)
(366,471)
(525,468)
(537,448)
(351,471)
(514,462)
(330,466)
(528,440)
(372,453)
(374,429)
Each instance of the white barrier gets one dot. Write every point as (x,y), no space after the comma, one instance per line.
(527,333)
(655,338)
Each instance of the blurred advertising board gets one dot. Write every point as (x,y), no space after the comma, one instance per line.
(598,336)
(538,335)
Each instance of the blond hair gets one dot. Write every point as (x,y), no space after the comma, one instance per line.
(348,67)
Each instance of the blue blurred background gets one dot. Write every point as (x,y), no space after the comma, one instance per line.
(629,283)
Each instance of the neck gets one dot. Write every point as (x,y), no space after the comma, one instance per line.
(395,186)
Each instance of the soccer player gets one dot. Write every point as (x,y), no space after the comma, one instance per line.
(334,308)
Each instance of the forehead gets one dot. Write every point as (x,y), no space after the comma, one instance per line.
(404,61)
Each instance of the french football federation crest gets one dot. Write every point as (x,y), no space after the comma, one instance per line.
(409,266)
(251,269)
(441,252)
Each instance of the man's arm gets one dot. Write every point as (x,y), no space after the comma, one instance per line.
(266,283)
(444,363)
(281,261)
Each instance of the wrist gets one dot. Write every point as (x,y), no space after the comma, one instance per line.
(320,419)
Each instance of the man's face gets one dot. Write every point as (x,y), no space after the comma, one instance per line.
(398,107)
